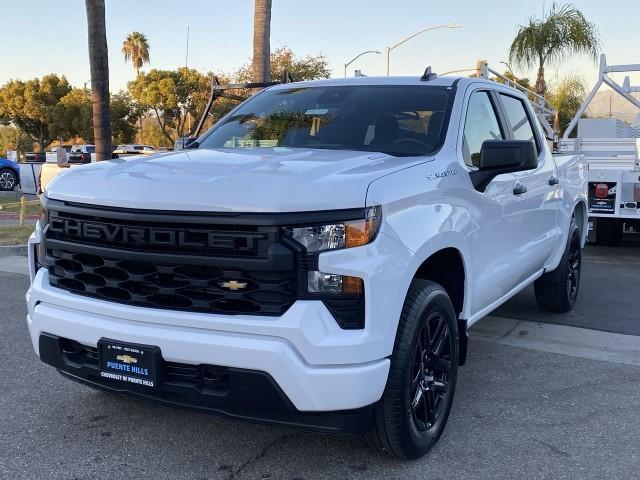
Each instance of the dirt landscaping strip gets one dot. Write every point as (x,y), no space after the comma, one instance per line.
(11,236)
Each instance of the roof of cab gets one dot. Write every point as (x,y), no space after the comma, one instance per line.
(414,80)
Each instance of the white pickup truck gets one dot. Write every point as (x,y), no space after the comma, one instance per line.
(315,259)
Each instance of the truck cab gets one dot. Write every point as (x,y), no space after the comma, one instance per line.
(315,259)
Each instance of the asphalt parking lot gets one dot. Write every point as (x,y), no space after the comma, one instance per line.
(537,399)
(609,293)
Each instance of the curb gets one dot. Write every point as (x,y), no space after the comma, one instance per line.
(13,194)
(560,339)
(13,250)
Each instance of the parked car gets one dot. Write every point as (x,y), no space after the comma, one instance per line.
(315,259)
(135,149)
(35,157)
(82,154)
(9,175)
(79,155)
(52,155)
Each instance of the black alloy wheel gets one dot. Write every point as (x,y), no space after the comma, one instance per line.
(411,415)
(557,291)
(430,374)
(574,265)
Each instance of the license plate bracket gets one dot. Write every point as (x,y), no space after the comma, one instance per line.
(130,363)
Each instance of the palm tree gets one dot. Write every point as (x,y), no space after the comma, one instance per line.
(567,97)
(261,45)
(549,40)
(99,63)
(136,49)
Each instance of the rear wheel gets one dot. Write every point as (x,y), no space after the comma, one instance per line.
(557,291)
(8,180)
(413,411)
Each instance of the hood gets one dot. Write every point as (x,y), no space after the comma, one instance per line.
(246,180)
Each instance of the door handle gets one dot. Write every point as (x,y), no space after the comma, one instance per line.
(553,180)
(519,189)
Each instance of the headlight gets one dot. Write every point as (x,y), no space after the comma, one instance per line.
(353,233)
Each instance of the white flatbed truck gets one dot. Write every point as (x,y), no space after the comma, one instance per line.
(612,151)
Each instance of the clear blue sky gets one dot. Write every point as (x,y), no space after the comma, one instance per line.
(43,36)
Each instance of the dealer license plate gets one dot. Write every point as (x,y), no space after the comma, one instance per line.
(129,363)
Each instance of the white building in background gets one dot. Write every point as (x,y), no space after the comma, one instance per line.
(608,128)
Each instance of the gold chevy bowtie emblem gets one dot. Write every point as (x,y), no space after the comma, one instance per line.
(127,359)
(233,285)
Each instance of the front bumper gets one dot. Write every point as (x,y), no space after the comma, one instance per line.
(239,393)
(295,350)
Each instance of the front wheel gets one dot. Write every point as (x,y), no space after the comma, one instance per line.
(414,408)
(557,291)
(8,180)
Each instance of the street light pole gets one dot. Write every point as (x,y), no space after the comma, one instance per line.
(449,25)
(357,57)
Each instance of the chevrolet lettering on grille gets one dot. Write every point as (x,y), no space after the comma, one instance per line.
(153,237)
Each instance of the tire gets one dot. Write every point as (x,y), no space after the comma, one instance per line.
(8,180)
(413,411)
(609,231)
(557,291)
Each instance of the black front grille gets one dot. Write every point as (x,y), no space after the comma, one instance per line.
(213,263)
(199,288)
(225,240)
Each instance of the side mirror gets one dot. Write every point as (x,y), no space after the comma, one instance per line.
(503,156)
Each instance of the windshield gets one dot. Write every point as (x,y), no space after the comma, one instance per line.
(398,120)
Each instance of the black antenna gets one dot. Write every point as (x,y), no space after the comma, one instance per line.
(428,75)
(287,78)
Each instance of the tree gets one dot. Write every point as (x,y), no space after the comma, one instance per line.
(567,97)
(284,60)
(153,134)
(174,96)
(136,49)
(261,40)
(565,31)
(12,138)
(124,115)
(72,117)
(522,81)
(99,63)
(30,106)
